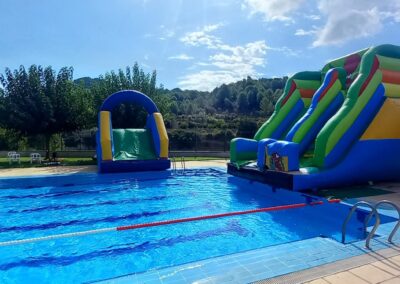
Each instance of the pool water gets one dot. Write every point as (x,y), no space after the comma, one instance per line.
(36,207)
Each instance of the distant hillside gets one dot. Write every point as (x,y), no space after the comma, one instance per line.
(87,82)
(248,96)
(255,97)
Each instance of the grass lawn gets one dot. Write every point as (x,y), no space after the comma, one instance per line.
(25,162)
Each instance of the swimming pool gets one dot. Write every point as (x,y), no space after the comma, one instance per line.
(36,207)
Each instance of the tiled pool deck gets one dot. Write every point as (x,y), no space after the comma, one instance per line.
(255,265)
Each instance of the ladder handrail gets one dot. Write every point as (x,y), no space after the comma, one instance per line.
(396,227)
(352,210)
(173,163)
(183,163)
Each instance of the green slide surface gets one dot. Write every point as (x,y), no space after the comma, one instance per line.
(133,144)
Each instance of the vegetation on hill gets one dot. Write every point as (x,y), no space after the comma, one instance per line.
(44,109)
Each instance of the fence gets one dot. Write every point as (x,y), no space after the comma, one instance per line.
(83,143)
(91,153)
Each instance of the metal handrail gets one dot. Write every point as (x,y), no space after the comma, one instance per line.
(174,167)
(173,160)
(377,222)
(183,163)
(398,212)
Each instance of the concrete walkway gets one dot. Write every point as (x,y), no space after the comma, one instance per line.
(54,170)
(385,271)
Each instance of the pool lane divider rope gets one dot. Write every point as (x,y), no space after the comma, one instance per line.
(162,223)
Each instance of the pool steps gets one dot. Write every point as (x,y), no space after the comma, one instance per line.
(374,212)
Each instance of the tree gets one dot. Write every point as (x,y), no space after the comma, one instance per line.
(229,106)
(267,93)
(277,94)
(174,108)
(2,107)
(243,104)
(222,94)
(41,101)
(266,106)
(128,115)
(247,128)
(252,98)
(11,140)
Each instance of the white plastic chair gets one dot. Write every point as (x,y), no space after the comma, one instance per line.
(9,154)
(36,157)
(14,157)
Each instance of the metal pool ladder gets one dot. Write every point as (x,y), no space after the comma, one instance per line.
(173,162)
(374,211)
(390,239)
(352,210)
(183,164)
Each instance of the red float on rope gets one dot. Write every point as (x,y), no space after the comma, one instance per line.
(214,216)
(183,220)
(161,223)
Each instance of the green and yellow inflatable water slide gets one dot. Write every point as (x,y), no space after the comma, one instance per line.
(129,149)
(330,127)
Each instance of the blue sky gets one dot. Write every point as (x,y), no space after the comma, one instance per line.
(193,44)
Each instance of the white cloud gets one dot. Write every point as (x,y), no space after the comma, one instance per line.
(241,59)
(348,20)
(344,20)
(228,64)
(313,17)
(203,63)
(285,50)
(273,10)
(206,80)
(301,32)
(181,56)
(349,25)
(211,28)
(202,37)
(166,33)
(169,33)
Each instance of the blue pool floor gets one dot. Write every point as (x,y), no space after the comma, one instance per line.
(264,263)
(260,261)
